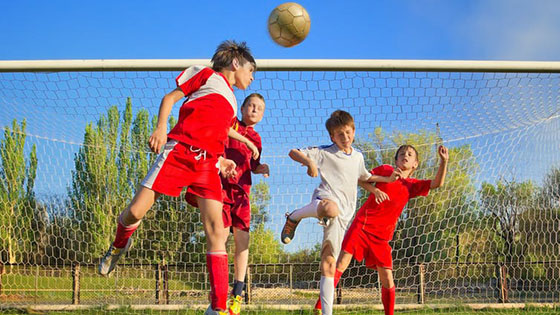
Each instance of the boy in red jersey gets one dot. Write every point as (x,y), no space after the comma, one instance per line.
(369,235)
(236,190)
(193,157)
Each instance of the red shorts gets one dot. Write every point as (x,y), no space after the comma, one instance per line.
(237,208)
(363,245)
(181,165)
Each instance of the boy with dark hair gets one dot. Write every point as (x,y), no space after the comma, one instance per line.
(373,227)
(193,157)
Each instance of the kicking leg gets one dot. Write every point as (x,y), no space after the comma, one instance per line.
(127,223)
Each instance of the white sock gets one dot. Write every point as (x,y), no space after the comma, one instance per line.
(326,293)
(307,211)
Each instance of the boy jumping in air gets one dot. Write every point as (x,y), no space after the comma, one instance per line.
(193,156)
(334,201)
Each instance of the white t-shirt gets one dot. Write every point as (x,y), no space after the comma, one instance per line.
(339,174)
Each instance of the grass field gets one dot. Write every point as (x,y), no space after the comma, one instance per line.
(449,311)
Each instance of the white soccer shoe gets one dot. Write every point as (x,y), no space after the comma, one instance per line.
(112,256)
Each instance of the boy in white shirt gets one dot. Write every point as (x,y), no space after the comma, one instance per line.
(334,200)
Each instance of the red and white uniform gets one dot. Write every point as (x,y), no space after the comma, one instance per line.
(237,206)
(191,155)
(373,227)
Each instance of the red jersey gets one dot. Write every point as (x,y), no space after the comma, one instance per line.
(381,219)
(242,156)
(205,117)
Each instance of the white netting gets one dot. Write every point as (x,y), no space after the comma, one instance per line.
(491,235)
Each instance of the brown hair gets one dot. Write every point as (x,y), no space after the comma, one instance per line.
(339,118)
(229,50)
(406,147)
(257,95)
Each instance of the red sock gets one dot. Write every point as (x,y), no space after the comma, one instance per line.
(337,275)
(388,299)
(124,233)
(217,264)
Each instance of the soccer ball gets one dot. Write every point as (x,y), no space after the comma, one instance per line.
(288,24)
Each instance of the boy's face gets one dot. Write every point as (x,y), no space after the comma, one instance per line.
(252,112)
(407,159)
(244,75)
(343,137)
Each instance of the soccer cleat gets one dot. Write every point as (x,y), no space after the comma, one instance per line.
(112,256)
(235,305)
(317,311)
(288,230)
(210,311)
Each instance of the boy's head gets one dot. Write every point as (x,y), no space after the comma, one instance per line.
(341,129)
(406,158)
(252,110)
(237,57)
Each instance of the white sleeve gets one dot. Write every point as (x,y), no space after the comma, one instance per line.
(363,172)
(314,153)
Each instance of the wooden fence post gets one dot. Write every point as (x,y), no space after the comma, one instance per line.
(76,284)
(421,283)
(157,274)
(291,278)
(165,280)
(248,286)
(1,273)
(502,284)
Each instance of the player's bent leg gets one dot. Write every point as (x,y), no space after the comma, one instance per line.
(326,210)
(127,223)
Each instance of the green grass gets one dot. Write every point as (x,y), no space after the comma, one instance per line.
(455,311)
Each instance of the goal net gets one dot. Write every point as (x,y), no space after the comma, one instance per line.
(74,148)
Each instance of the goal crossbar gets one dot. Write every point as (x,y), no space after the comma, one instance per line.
(285,65)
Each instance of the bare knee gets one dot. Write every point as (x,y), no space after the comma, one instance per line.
(328,208)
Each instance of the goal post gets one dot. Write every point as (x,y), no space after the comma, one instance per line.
(73,148)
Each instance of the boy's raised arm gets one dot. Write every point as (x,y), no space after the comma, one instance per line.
(300,157)
(439,180)
(159,136)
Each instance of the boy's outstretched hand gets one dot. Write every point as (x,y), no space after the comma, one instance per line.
(227,167)
(443,153)
(157,140)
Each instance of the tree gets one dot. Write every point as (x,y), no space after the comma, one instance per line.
(17,199)
(108,167)
(506,202)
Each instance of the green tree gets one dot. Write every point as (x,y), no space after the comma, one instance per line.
(108,167)
(505,203)
(17,199)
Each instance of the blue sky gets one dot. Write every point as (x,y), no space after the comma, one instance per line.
(405,29)
(434,29)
